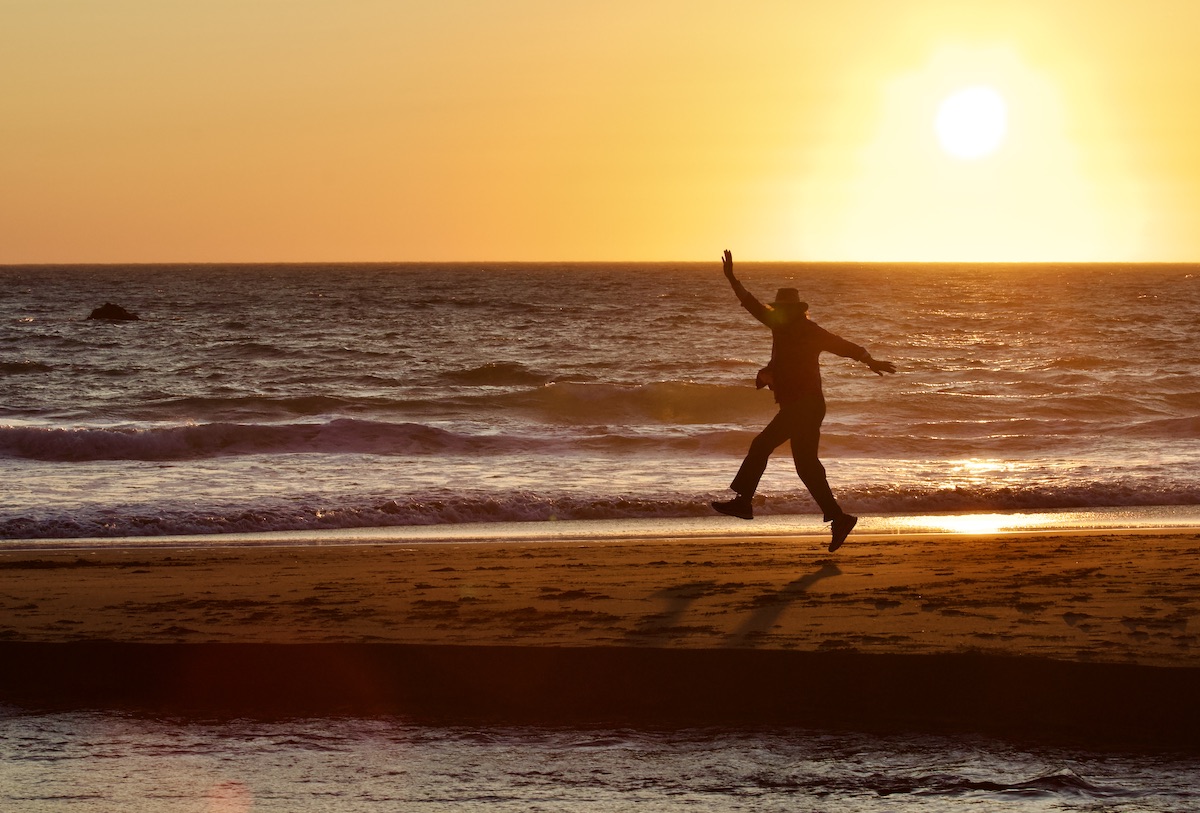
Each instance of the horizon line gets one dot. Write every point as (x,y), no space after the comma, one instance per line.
(715,260)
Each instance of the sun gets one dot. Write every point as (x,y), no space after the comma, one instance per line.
(971,123)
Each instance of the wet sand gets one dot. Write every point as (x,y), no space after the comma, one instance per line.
(1086,632)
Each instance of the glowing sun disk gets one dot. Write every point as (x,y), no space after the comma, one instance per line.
(971,122)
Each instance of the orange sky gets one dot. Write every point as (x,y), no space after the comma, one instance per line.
(355,130)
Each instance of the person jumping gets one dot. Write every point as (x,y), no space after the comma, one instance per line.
(794,375)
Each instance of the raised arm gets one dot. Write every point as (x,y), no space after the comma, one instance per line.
(757,309)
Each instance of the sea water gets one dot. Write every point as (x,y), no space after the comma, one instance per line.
(88,762)
(275,398)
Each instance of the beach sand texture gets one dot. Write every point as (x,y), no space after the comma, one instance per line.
(1118,597)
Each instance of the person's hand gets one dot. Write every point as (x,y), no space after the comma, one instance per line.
(880,367)
(727,263)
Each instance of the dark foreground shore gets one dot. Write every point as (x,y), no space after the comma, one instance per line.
(1073,636)
(1100,705)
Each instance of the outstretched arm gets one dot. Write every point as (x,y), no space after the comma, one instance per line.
(836,344)
(757,309)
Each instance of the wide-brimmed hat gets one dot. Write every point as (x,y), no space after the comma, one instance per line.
(789,296)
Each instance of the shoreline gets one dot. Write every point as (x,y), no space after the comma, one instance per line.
(1115,519)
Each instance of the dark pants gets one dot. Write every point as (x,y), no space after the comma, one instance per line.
(799,422)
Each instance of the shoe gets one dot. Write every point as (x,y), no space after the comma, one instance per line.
(842,526)
(739,507)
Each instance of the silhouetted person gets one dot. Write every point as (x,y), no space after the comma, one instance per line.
(794,374)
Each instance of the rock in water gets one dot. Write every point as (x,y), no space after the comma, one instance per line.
(113,312)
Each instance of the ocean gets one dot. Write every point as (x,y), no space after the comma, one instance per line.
(323,397)
(99,762)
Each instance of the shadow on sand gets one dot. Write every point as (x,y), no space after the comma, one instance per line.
(770,606)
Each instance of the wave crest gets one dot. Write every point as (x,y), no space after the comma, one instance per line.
(498,374)
(220,439)
(667,402)
(450,508)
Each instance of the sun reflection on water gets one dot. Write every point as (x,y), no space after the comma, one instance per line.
(976,523)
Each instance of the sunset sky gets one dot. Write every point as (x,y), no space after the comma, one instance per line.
(359,130)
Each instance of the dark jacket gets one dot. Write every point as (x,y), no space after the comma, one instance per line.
(796,347)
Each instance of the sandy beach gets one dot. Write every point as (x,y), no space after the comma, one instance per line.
(1087,633)
(1117,597)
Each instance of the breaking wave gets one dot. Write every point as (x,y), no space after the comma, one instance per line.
(673,427)
(341,436)
(449,508)
(220,439)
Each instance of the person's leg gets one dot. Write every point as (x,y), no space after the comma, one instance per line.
(753,466)
(806,439)
(755,463)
